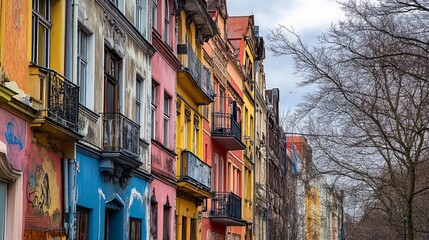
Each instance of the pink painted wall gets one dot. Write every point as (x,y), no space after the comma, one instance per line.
(161,191)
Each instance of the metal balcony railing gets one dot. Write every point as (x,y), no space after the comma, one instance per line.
(226,204)
(195,171)
(120,134)
(200,73)
(223,124)
(63,99)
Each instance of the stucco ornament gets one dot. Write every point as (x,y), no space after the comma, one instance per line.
(113,33)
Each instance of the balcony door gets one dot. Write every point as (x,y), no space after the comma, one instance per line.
(111,81)
(111,98)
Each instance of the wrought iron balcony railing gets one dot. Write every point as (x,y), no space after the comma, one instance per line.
(226,204)
(63,97)
(120,134)
(195,171)
(225,125)
(200,73)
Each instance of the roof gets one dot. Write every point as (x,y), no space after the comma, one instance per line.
(238,26)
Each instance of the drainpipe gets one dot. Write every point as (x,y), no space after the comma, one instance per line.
(68,40)
(73,198)
(66,193)
(75,9)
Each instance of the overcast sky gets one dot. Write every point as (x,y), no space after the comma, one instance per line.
(308,18)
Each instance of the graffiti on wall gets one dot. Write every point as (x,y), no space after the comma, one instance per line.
(42,190)
(15,136)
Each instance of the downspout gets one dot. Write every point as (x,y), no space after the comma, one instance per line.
(254,150)
(72,168)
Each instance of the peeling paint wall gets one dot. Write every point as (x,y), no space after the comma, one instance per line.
(94,195)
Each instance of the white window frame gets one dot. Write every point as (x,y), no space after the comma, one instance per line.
(167,109)
(155,14)
(139,91)
(140,18)
(40,21)
(82,59)
(153,109)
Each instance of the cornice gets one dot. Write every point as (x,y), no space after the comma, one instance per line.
(119,18)
(165,51)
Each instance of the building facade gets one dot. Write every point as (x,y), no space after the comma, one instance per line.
(113,197)
(242,38)
(276,170)
(38,123)
(194,174)
(163,99)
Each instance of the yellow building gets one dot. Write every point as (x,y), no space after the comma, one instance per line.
(193,174)
(242,37)
(312,213)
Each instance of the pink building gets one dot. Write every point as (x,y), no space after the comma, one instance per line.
(163,156)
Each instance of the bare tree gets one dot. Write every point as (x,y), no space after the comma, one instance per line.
(370,111)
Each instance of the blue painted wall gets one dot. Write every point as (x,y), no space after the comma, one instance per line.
(93,194)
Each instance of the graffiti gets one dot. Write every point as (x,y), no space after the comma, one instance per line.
(13,135)
(156,159)
(39,196)
(169,165)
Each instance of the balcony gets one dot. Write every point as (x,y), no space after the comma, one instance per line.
(193,76)
(57,102)
(226,209)
(121,140)
(197,12)
(227,131)
(194,176)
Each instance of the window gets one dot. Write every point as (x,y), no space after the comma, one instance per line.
(154,14)
(221,100)
(82,223)
(167,22)
(140,15)
(195,136)
(184,227)
(115,2)
(166,120)
(139,81)
(154,215)
(3,206)
(40,32)
(82,59)
(166,221)
(193,229)
(135,229)
(111,81)
(153,109)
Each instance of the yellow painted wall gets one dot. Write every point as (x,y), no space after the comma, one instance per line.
(312,213)
(185,208)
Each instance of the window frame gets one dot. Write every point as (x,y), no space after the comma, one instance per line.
(140,14)
(139,85)
(138,233)
(40,20)
(82,60)
(79,212)
(167,22)
(155,14)
(153,104)
(167,109)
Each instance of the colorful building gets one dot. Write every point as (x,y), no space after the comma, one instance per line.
(261,111)
(38,121)
(223,136)
(163,99)
(277,170)
(240,32)
(113,197)
(193,172)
